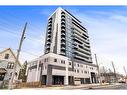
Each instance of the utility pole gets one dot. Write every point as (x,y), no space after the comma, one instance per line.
(104,73)
(114,72)
(125,73)
(98,69)
(17,57)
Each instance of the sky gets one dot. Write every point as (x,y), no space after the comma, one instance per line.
(106,26)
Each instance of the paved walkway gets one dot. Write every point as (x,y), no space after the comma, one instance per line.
(85,86)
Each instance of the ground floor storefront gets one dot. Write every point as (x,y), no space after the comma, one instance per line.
(60,80)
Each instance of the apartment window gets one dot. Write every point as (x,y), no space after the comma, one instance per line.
(69,63)
(55,60)
(81,65)
(62,62)
(6,56)
(46,60)
(77,71)
(78,65)
(85,72)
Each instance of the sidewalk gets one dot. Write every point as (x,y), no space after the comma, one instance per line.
(84,86)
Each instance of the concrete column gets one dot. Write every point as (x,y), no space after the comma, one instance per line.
(49,75)
(66,76)
(36,79)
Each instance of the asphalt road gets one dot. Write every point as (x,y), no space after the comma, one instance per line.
(118,87)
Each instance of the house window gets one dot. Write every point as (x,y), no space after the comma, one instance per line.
(55,60)
(10,65)
(6,56)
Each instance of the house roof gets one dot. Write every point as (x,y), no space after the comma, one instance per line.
(12,54)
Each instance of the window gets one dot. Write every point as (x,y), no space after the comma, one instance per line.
(78,65)
(46,60)
(10,74)
(81,65)
(77,71)
(85,72)
(10,65)
(69,63)
(55,60)
(62,62)
(6,56)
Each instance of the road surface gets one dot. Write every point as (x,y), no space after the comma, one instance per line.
(117,87)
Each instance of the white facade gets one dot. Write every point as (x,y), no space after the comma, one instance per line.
(80,70)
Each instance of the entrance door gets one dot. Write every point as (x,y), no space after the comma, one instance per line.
(2,75)
(93,77)
(58,80)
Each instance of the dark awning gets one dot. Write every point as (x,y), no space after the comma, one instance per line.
(3,70)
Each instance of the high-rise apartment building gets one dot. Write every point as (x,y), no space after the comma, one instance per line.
(66,36)
(67,59)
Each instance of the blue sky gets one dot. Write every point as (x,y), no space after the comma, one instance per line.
(106,26)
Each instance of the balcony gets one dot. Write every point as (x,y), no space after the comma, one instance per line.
(62,12)
(62,16)
(63,43)
(49,36)
(63,25)
(63,19)
(50,25)
(49,28)
(84,51)
(62,38)
(63,29)
(48,40)
(63,53)
(62,22)
(82,54)
(63,34)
